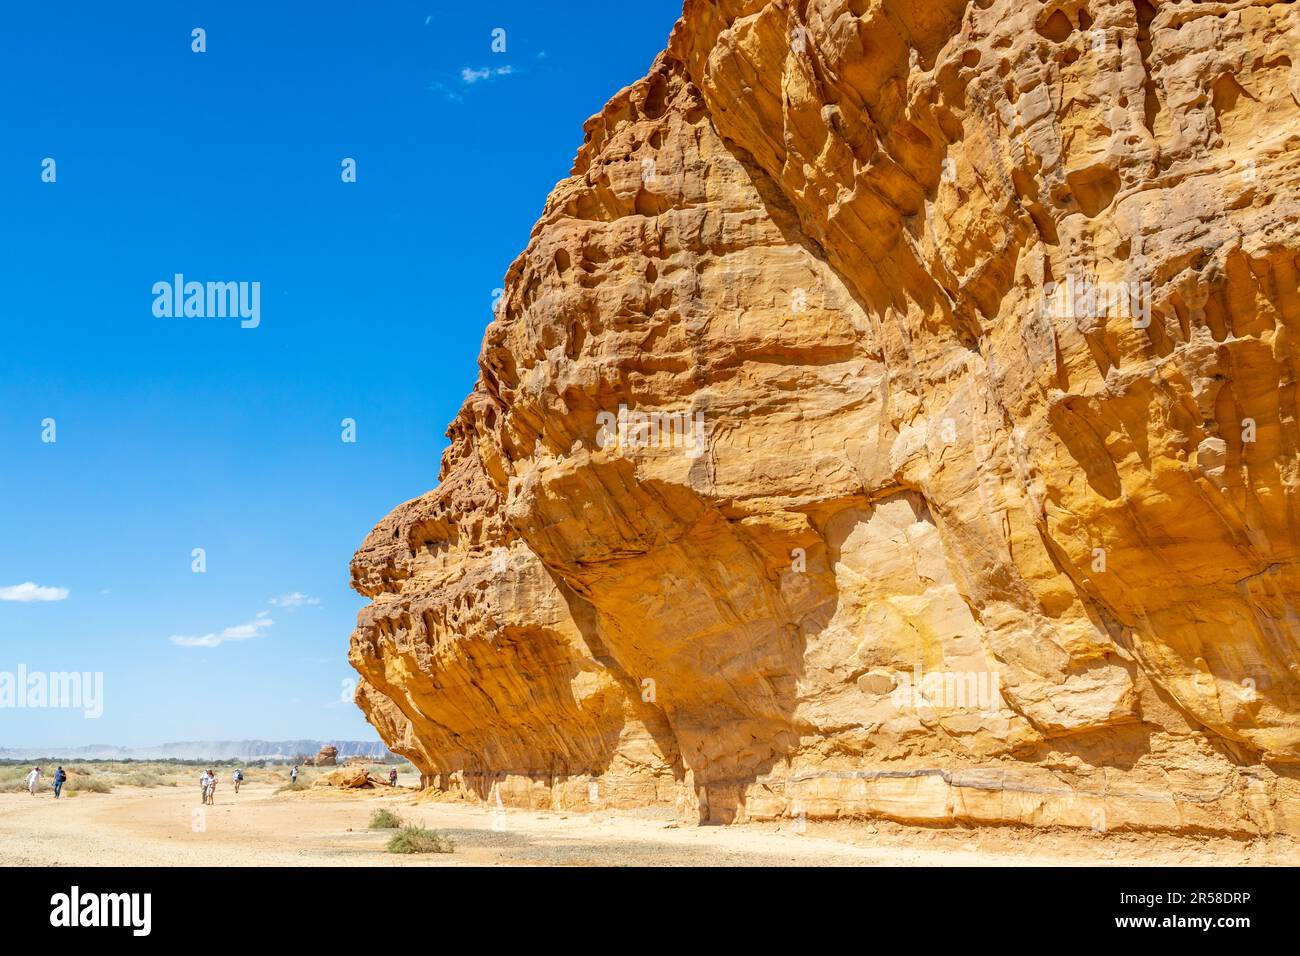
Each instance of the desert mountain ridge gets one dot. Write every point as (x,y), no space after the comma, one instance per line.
(203,750)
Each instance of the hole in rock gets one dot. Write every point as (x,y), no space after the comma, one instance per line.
(1056,27)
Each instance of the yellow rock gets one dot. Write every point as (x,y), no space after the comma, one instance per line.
(347,778)
(893,414)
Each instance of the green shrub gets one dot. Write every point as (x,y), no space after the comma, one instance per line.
(412,839)
(385,820)
(299,785)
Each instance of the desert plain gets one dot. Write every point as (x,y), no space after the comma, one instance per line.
(155,824)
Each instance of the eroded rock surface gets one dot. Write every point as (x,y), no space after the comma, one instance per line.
(953,477)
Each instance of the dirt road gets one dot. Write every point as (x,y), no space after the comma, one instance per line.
(158,827)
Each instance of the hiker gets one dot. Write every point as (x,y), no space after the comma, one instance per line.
(392,777)
(33,780)
(212,789)
(293,774)
(239,778)
(59,777)
(205,779)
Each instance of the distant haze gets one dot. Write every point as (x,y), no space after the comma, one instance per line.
(204,750)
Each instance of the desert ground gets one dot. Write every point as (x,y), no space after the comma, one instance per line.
(262,825)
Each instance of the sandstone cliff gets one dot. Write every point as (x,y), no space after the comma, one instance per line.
(894,414)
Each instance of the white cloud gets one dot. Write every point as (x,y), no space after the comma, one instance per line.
(450,94)
(469,75)
(240,632)
(294,599)
(30,591)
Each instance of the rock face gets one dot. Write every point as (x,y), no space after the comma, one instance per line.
(894,414)
(328,757)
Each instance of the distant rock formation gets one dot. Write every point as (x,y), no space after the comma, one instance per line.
(282,750)
(348,778)
(327,757)
(894,414)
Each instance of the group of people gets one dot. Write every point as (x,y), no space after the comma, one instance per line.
(34,781)
(208,784)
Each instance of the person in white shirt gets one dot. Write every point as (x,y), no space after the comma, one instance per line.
(33,780)
(293,775)
(205,780)
(237,778)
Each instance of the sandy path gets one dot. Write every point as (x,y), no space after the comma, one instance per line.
(153,827)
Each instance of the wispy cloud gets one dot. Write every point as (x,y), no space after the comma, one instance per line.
(454,87)
(294,599)
(240,632)
(469,75)
(30,591)
(449,93)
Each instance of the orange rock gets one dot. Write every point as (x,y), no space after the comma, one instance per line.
(892,415)
(347,778)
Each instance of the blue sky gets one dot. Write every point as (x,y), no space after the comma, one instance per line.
(175,433)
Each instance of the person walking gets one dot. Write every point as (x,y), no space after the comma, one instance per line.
(33,780)
(238,778)
(293,774)
(212,789)
(392,777)
(205,779)
(59,778)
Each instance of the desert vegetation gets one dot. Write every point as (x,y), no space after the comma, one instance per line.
(413,839)
(385,820)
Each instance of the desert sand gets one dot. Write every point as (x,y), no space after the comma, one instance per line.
(154,827)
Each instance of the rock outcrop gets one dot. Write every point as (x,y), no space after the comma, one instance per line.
(894,414)
(347,778)
(327,757)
